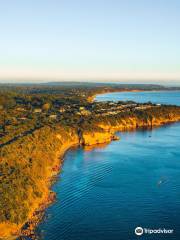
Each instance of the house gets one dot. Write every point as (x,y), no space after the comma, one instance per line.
(53,116)
(20,109)
(81,108)
(62,109)
(22,118)
(85,112)
(37,110)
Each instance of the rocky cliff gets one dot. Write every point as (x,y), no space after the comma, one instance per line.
(29,163)
(27,166)
(135,123)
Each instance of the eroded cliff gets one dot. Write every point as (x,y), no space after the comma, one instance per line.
(29,163)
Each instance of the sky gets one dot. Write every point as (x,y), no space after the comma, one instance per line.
(103,40)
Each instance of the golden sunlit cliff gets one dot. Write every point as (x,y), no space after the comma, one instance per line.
(29,163)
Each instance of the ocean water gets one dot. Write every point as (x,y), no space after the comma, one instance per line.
(106,192)
(162,97)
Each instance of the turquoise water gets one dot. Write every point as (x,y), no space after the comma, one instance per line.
(105,193)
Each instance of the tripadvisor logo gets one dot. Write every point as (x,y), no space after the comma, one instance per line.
(139,231)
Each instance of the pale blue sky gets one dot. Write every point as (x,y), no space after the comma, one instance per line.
(89,39)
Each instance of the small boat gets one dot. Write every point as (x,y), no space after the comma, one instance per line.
(160,182)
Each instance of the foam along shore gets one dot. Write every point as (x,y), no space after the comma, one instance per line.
(38,157)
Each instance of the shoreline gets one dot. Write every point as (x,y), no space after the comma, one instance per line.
(126,91)
(108,135)
(92,98)
(40,212)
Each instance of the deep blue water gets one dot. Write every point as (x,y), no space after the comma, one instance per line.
(104,193)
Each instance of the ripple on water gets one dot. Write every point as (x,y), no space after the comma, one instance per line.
(103,194)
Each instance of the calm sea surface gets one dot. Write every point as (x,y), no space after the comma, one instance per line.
(166,97)
(105,193)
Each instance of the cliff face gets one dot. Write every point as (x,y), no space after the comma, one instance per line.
(34,159)
(134,123)
(97,137)
(28,164)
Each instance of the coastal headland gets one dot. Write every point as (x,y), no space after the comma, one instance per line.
(39,124)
